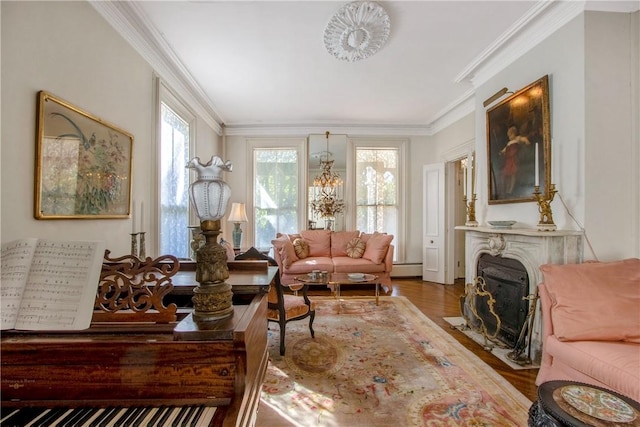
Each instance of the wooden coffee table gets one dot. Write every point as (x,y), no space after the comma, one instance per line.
(570,403)
(336,280)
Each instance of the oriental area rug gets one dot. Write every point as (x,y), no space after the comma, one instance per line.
(386,365)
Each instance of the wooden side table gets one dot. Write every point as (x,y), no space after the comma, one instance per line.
(570,403)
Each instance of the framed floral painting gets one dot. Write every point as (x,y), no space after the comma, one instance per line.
(519,145)
(83,164)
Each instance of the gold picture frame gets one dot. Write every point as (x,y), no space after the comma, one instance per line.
(83,164)
(518,139)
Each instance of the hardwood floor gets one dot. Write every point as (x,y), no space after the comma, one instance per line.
(436,302)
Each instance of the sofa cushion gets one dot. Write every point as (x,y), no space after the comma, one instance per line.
(284,246)
(340,240)
(319,242)
(377,247)
(345,264)
(307,265)
(595,301)
(612,363)
(356,247)
(301,247)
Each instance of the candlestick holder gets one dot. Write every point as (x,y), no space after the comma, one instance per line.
(544,207)
(134,244)
(471,211)
(143,253)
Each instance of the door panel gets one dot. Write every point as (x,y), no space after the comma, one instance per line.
(433,226)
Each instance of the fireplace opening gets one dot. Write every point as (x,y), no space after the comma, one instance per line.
(508,282)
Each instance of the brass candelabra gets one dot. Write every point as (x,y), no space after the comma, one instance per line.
(471,211)
(544,207)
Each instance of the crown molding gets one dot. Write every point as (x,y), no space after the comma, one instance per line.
(305,129)
(453,112)
(537,24)
(540,22)
(132,24)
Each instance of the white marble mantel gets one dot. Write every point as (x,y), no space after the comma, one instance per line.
(531,247)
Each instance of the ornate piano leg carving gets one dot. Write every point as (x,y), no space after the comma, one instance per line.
(212,299)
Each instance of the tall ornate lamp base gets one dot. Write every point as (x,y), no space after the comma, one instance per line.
(212,298)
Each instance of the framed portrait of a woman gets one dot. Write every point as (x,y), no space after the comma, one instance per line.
(519,144)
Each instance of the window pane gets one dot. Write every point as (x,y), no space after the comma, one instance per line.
(275,194)
(377,191)
(174,184)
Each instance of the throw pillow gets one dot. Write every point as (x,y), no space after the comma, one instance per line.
(285,249)
(377,246)
(301,247)
(339,241)
(355,248)
(319,242)
(595,301)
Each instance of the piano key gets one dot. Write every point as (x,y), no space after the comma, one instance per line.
(207,416)
(156,416)
(127,419)
(188,415)
(70,418)
(104,415)
(23,417)
(110,417)
(49,417)
(7,414)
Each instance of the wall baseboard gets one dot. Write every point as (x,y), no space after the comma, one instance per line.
(406,270)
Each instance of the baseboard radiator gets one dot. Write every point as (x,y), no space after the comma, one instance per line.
(406,270)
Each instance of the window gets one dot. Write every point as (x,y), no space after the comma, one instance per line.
(175,140)
(277,189)
(378,187)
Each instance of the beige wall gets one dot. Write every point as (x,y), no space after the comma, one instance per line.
(68,49)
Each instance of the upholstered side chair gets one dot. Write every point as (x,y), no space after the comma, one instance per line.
(283,308)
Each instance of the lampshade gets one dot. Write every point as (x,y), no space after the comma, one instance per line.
(238,213)
(209,193)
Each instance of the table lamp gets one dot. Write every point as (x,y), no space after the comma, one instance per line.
(212,298)
(238,215)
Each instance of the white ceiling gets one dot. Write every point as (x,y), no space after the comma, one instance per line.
(261,64)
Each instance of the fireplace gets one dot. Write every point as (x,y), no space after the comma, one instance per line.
(507,281)
(530,249)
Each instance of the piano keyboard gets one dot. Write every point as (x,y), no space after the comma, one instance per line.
(162,416)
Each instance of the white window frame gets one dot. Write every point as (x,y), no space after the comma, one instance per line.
(165,95)
(298,144)
(401,145)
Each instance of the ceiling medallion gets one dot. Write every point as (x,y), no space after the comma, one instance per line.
(357,31)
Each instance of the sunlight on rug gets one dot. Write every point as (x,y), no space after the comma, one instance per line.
(386,365)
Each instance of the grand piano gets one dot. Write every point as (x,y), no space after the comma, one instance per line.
(129,370)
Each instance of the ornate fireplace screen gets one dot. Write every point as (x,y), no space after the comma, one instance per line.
(474,295)
(478,309)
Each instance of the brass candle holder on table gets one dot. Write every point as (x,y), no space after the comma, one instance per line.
(544,207)
(471,211)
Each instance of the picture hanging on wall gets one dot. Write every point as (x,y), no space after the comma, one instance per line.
(83,164)
(519,145)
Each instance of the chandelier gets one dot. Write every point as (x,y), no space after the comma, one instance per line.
(327,186)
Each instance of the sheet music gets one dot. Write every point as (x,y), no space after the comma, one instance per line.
(16,260)
(60,287)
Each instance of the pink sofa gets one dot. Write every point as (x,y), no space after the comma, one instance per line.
(334,251)
(591,324)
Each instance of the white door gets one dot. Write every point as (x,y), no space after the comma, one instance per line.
(433,223)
